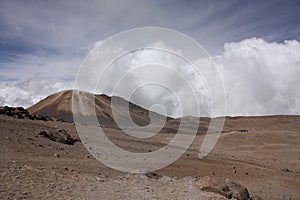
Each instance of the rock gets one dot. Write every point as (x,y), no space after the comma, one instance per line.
(56,155)
(152,175)
(21,113)
(286,170)
(47,135)
(65,137)
(2,110)
(40,117)
(59,136)
(100,179)
(223,186)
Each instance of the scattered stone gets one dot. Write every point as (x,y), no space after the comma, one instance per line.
(56,155)
(223,186)
(100,179)
(286,170)
(152,175)
(40,117)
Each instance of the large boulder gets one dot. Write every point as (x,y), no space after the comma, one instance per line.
(223,186)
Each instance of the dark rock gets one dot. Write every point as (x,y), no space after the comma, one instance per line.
(65,137)
(286,170)
(47,135)
(152,175)
(56,155)
(61,120)
(21,113)
(59,136)
(9,113)
(18,112)
(223,186)
(2,110)
(18,116)
(40,117)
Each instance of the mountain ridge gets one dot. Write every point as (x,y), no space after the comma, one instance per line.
(59,106)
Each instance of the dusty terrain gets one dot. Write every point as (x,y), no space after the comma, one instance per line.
(265,160)
(35,167)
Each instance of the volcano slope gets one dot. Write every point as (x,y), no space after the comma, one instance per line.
(265,159)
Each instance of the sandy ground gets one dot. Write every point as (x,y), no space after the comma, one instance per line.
(34,167)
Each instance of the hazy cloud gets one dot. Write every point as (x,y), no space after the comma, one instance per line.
(260,78)
(28,92)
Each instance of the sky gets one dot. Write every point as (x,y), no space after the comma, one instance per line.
(255,45)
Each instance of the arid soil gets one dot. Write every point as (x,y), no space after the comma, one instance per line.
(265,160)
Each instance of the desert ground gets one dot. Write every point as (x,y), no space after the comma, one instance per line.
(36,164)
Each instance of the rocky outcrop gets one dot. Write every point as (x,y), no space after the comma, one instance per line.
(17,112)
(59,136)
(21,113)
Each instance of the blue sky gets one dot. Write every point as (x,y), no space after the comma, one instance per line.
(48,40)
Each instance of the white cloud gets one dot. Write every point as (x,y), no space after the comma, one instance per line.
(132,76)
(28,92)
(260,78)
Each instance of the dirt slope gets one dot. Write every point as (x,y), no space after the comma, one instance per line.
(59,106)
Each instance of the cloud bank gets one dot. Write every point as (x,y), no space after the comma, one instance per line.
(25,93)
(260,78)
